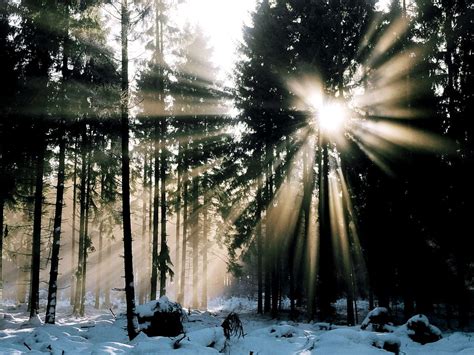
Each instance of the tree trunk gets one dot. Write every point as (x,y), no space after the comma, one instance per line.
(275,283)
(195,239)
(82,214)
(178,221)
(2,206)
(87,238)
(205,233)
(53,275)
(132,323)
(154,258)
(185,230)
(73,232)
(269,247)
(143,240)
(164,251)
(36,246)
(258,219)
(326,269)
(150,218)
(107,303)
(98,279)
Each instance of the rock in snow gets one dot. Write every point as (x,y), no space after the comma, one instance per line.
(377,320)
(161,318)
(420,330)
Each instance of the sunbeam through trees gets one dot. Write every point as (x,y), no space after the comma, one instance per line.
(311,159)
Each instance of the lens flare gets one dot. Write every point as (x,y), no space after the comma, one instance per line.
(332,118)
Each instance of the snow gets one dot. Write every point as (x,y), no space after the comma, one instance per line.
(377,320)
(419,318)
(163,304)
(101,333)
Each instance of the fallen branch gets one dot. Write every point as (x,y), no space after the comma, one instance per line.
(177,341)
(110,309)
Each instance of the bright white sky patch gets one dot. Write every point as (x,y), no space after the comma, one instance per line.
(222,22)
(383,5)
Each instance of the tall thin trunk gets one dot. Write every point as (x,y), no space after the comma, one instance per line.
(2,206)
(350,302)
(73,232)
(268,245)
(53,275)
(275,283)
(107,280)
(132,324)
(164,251)
(195,239)
(326,272)
(258,219)
(273,261)
(36,246)
(150,219)
(178,221)
(87,238)
(98,280)
(205,245)
(185,230)
(143,240)
(154,258)
(82,214)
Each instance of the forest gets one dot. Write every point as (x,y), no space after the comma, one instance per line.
(321,182)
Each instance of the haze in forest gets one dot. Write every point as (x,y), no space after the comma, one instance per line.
(300,154)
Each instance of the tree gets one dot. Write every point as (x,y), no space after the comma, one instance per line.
(132,324)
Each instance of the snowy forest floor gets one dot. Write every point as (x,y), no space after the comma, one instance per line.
(101,333)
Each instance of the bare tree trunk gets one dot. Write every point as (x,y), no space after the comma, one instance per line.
(98,280)
(268,245)
(185,230)
(326,270)
(275,284)
(178,221)
(36,246)
(132,323)
(73,232)
(82,214)
(154,262)
(205,235)
(53,275)
(143,240)
(258,219)
(2,206)
(107,302)
(150,219)
(195,239)
(164,251)
(87,238)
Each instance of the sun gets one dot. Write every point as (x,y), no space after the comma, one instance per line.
(332,118)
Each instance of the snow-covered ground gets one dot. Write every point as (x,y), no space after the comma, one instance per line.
(101,333)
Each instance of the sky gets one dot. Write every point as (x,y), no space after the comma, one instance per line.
(222,21)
